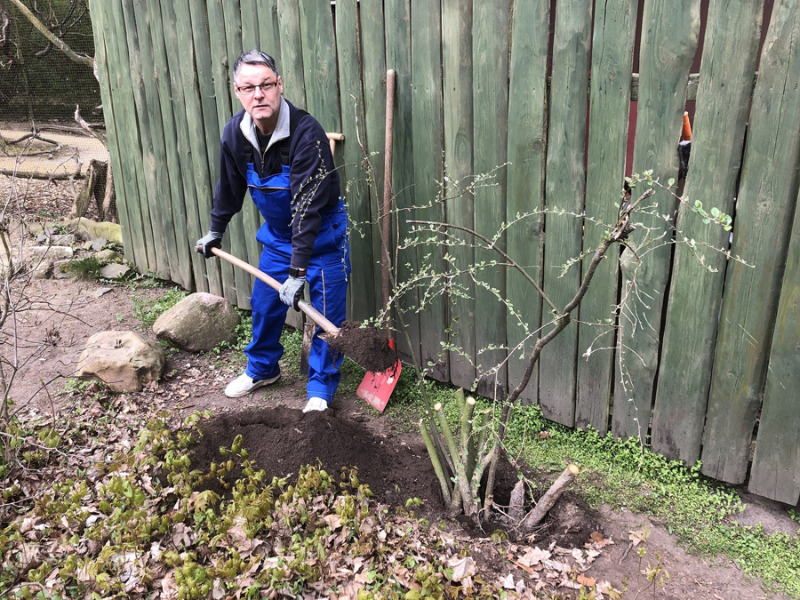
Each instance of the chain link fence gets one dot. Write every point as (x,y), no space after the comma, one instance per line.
(39,83)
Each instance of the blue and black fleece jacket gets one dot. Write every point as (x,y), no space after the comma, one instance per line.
(298,141)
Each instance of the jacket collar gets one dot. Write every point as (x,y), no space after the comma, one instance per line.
(282,130)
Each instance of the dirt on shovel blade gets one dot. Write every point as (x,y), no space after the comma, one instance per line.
(366,346)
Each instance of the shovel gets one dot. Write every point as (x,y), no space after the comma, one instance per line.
(377,385)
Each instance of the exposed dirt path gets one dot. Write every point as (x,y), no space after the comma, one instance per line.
(55,152)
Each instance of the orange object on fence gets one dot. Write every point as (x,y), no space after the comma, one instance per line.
(686,131)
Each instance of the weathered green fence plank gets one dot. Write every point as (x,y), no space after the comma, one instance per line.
(564,192)
(187,93)
(250,28)
(398,57)
(373,134)
(242,228)
(170,205)
(458,148)
(163,239)
(248,248)
(220,68)
(764,210)
(105,67)
(132,189)
(525,183)
(776,464)
(426,97)
(291,67)
(361,293)
(490,29)
(174,212)
(690,330)
(319,62)
(609,107)
(268,31)
(669,43)
(210,127)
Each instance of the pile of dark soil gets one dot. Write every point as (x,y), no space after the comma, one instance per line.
(366,346)
(281,440)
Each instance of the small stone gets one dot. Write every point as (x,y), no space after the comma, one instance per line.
(53,252)
(97,244)
(107,256)
(114,271)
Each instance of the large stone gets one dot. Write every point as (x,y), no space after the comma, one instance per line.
(199,322)
(123,360)
(93,229)
(54,252)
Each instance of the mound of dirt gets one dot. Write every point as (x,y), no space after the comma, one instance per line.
(280,440)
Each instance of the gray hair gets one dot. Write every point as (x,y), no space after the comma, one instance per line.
(254,57)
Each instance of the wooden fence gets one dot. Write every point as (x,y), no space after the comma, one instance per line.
(544,97)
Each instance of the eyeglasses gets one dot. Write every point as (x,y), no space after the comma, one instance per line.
(249,90)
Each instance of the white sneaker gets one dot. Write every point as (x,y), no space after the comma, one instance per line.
(315,404)
(244,384)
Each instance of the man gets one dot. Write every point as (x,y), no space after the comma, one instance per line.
(281,154)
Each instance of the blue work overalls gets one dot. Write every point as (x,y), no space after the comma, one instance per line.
(327,277)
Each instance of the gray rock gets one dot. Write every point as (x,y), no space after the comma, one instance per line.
(41,268)
(97,244)
(53,252)
(108,255)
(123,360)
(60,270)
(90,230)
(52,239)
(37,260)
(114,271)
(198,322)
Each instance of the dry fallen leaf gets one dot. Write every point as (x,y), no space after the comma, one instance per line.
(534,556)
(587,581)
(601,541)
(462,567)
(636,537)
(508,582)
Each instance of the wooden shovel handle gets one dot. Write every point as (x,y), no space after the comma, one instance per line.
(304,306)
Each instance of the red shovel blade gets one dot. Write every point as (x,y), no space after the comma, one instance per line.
(377,386)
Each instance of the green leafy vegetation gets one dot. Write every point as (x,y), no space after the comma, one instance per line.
(145,519)
(86,268)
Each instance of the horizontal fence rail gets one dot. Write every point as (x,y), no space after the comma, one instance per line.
(516,123)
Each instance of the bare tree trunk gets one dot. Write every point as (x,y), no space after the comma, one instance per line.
(107,209)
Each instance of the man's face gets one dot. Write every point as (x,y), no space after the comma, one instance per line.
(261,103)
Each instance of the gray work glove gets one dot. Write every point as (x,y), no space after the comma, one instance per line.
(210,240)
(292,290)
